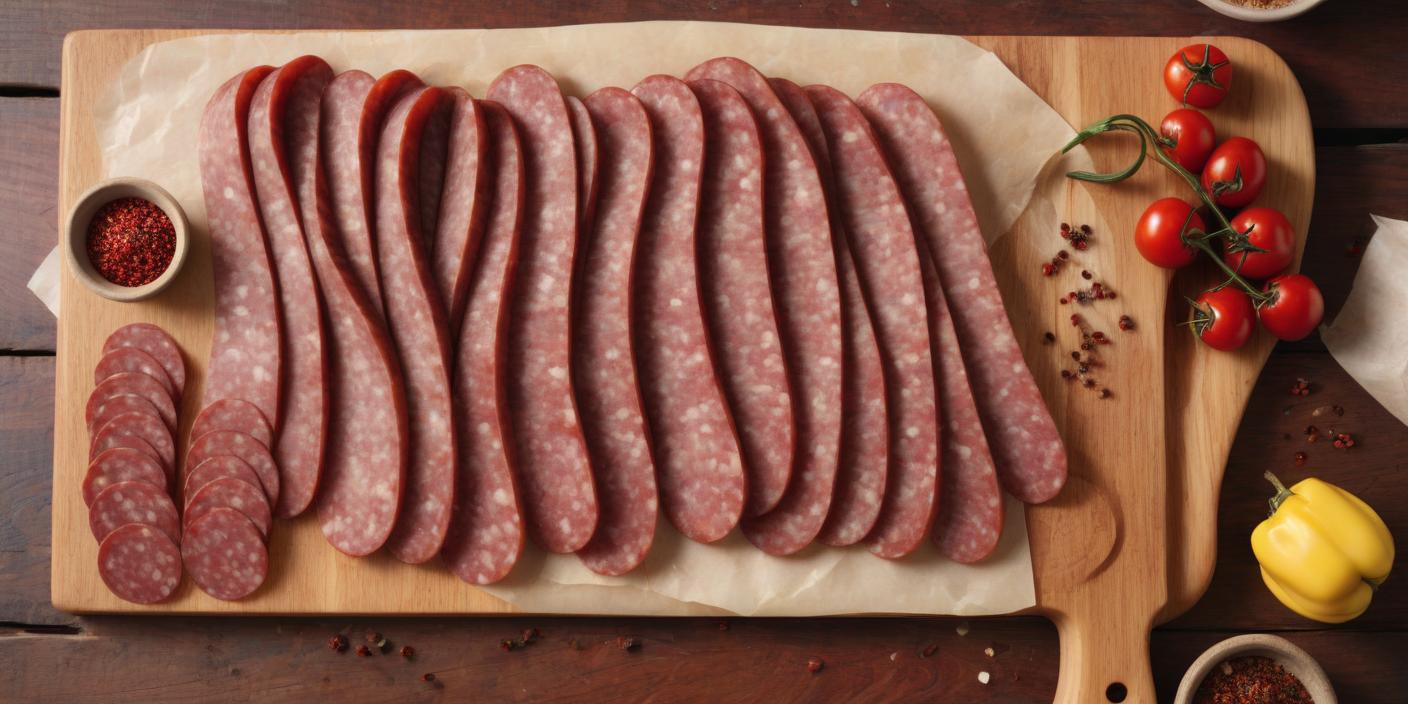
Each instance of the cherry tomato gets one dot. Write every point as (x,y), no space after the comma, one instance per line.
(1235,172)
(1223,318)
(1264,228)
(1198,75)
(1192,135)
(1295,307)
(1159,233)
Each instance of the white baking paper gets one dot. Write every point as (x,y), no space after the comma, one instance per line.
(1368,337)
(1002,131)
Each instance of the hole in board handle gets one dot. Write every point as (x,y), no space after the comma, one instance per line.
(1116,692)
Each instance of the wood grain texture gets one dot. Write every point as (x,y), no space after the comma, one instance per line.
(1347,88)
(28,147)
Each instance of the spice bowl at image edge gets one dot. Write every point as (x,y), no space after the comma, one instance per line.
(1282,652)
(133,192)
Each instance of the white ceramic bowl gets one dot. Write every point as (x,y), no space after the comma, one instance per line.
(1286,654)
(75,240)
(1252,14)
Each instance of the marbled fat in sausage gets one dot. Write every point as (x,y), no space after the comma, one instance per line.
(233,414)
(584,142)
(155,342)
(143,426)
(139,563)
(463,205)
(133,502)
(225,555)
(131,359)
(121,464)
(133,384)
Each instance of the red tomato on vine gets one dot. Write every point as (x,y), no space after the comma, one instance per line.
(1188,138)
(1198,75)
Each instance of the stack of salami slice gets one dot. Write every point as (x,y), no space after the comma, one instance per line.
(723,297)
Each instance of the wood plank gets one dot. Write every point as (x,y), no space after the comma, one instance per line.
(1346,89)
(205,659)
(29,150)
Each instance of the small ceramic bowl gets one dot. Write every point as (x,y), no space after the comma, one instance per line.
(76,236)
(1286,654)
(1254,14)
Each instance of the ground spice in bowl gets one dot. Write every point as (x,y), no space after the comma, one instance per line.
(1262,4)
(131,241)
(1251,680)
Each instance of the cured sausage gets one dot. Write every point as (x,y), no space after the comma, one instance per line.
(133,502)
(229,442)
(554,468)
(353,106)
(887,260)
(139,563)
(433,154)
(133,383)
(233,414)
(416,320)
(119,405)
(606,383)
(1030,455)
(155,342)
(219,467)
(865,438)
(359,492)
(131,359)
(463,205)
(485,536)
(229,492)
(298,445)
(698,462)
(143,426)
(120,464)
(737,296)
(224,553)
(584,140)
(246,352)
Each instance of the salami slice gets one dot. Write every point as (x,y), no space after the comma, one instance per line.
(887,260)
(416,320)
(219,467)
(254,454)
(121,464)
(434,146)
(463,205)
(144,426)
(229,492)
(1030,455)
(299,444)
(133,502)
(558,495)
(737,295)
(133,383)
(485,536)
(139,563)
(697,457)
(233,414)
(155,342)
(865,453)
(131,359)
(225,554)
(352,110)
(359,492)
(246,357)
(584,140)
(606,383)
(119,405)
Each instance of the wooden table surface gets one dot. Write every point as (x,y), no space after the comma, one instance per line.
(1349,57)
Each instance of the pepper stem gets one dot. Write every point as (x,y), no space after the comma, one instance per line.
(1282,493)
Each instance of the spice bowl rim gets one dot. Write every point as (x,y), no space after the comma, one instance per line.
(1252,14)
(76,236)
(1285,653)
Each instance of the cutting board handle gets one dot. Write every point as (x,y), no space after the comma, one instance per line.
(1104,656)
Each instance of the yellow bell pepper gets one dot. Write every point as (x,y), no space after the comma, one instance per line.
(1322,551)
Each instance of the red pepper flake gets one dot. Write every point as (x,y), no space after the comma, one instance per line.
(363,651)
(1343,441)
(627,643)
(338,643)
(1300,388)
(1110,295)
(1075,319)
(1100,337)
(428,677)
(1064,300)
(1085,229)
(1065,227)
(407,651)
(815,665)
(1126,323)
(1047,269)
(1301,457)
(131,241)
(1251,679)
(929,650)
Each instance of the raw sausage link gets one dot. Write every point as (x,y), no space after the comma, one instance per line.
(131,359)
(144,426)
(697,458)
(233,414)
(133,502)
(887,259)
(584,140)
(738,300)
(463,205)
(558,495)
(299,444)
(1031,458)
(246,359)
(155,342)
(139,563)
(121,464)
(254,454)
(118,405)
(416,320)
(802,266)
(229,492)
(353,106)
(133,383)
(225,554)
(219,467)
(360,491)
(606,383)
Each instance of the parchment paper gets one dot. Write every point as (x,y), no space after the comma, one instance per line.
(1003,132)
(1368,337)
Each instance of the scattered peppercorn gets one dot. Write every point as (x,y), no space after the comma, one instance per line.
(338,643)
(1088,383)
(930,649)
(363,651)
(1085,274)
(1343,441)
(1047,269)
(1301,457)
(1049,337)
(628,644)
(815,665)
(1063,255)
(1066,374)
(1126,323)
(428,677)
(407,651)
(1300,388)
(1105,393)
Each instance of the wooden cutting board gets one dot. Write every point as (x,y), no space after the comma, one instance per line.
(1129,543)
